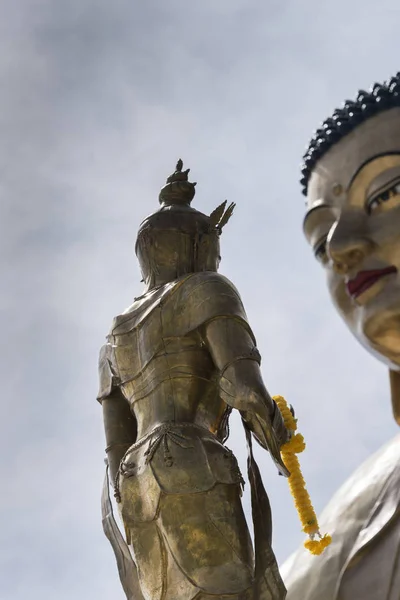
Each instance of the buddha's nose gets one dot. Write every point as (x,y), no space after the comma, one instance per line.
(347,247)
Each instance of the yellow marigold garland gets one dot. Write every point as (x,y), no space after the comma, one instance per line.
(297,484)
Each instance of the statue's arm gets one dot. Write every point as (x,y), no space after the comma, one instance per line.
(119,422)
(232,347)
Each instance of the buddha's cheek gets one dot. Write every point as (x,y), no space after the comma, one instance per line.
(382,314)
(375,320)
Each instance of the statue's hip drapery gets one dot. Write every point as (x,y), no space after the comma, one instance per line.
(179,490)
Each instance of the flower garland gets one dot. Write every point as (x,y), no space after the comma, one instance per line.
(297,484)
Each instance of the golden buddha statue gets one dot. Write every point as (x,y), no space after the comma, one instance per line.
(175,364)
(351,177)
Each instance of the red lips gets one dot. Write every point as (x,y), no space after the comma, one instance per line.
(365,279)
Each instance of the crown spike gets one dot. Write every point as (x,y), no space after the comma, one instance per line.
(178,188)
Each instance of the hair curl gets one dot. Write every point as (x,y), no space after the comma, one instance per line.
(381,97)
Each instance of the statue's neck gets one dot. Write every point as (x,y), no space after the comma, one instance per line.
(159,279)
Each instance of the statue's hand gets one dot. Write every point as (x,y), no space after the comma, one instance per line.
(281,430)
(282,433)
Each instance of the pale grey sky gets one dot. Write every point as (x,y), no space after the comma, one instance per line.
(99,99)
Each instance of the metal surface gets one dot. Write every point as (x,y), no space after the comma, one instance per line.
(353,225)
(126,567)
(363,561)
(176,363)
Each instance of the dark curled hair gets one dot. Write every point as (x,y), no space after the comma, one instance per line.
(381,96)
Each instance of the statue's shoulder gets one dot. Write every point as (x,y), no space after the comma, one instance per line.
(206,284)
(141,309)
(361,510)
(185,304)
(378,499)
(356,499)
(203,296)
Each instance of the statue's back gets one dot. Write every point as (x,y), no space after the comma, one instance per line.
(177,362)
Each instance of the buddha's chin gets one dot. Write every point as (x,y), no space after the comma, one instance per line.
(379,332)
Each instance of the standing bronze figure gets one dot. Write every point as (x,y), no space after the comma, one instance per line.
(176,363)
(351,177)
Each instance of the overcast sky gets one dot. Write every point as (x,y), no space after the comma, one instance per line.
(98,100)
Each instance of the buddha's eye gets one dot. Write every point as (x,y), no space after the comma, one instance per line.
(320,251)
(387,198)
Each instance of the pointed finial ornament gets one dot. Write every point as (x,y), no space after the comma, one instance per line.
(178,189)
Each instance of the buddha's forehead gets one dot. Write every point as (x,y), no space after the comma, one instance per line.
(334,172)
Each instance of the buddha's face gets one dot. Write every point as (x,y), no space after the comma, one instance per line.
(353,227)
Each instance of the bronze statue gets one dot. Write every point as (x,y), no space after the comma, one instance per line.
(351,177)
(176,363)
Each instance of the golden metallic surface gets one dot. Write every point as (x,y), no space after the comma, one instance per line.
(351,233)
(175,364)
(395,393)
(363,561)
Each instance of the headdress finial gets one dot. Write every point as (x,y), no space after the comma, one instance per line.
(178,190)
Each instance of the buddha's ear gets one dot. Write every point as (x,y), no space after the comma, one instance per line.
(395,393)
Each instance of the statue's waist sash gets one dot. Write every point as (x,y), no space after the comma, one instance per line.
(174,458)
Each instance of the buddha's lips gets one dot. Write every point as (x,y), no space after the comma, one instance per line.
(365,279)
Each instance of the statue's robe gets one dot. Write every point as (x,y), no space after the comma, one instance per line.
(179,486)
(363,517)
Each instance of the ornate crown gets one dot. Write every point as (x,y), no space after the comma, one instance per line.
(179,191)
(177,236)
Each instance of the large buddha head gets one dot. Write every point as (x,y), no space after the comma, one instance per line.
(178,239)
(351,178)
